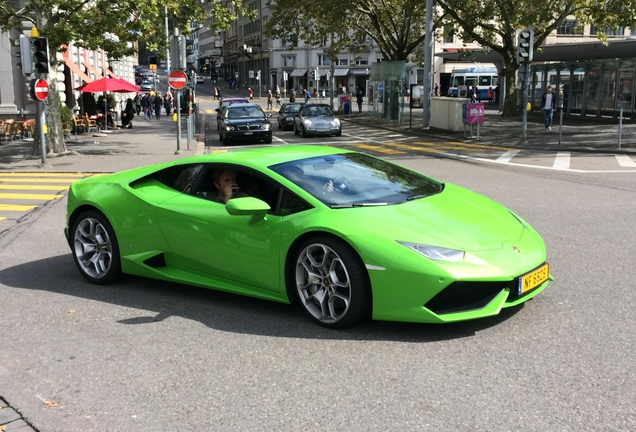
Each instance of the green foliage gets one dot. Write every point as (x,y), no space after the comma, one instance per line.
(395,27)
(66,114)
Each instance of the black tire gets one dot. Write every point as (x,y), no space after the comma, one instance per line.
(268,140)
(340,303)
(339,133)
(95,248)
(220,137)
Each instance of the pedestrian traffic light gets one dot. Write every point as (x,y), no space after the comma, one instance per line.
(525,40)
(41,55)
(258,75)
(313,74)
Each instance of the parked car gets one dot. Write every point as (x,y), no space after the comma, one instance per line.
(386,242)
(245,122)
(147,86)
(225,102)
(287,113)
(200,79)
(317,119)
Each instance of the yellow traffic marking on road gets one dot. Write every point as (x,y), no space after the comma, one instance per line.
(29,196)
(412,147)
(30,187)
(34,174)
(16,207)
(209,111)
(454,144)
(377,148)
(36,180)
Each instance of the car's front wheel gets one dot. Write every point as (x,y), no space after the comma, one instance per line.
(331,282)
(95,248)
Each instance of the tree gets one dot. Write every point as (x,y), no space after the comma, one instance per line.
(493,24)
(396,27)
(115,27)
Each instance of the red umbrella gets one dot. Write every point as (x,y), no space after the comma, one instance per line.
(117,85)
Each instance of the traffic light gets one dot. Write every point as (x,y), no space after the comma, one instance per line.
(313,74)
(525,40)
(41,55)
(258,75)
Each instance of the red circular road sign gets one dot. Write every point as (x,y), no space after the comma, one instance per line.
(177,79)
(40,89)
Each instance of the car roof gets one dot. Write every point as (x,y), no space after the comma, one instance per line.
(231,99)
(260,157)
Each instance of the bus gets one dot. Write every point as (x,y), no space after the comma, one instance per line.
(467,78)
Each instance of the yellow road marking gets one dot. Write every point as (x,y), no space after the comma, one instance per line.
(29,187)
(29,196)
(453,144)
(412,147)
(209,111)
(15,207)
(1,218)
(35,180)
(25,174)
(378,149)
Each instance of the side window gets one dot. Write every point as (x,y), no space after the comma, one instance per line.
(290,203)
(180,178)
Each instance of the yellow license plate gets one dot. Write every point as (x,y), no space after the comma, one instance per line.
(533,279)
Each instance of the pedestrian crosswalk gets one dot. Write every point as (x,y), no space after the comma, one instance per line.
(23,192)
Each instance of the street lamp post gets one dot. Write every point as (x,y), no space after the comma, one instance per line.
(260,26)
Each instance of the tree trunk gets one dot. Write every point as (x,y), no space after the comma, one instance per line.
(511,106)
(54,136)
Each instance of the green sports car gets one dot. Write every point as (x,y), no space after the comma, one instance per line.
(345,235)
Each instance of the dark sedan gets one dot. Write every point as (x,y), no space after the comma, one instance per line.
(317,119)
(286,114)
(225,102)
(245,122)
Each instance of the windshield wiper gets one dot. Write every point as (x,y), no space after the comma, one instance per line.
(365,204)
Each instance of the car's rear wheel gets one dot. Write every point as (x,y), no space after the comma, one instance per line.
(95,248)
(331,282)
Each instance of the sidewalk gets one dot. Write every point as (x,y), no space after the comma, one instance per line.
(582,135)
(150,141)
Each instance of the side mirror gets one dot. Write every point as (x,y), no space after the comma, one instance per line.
(246,206)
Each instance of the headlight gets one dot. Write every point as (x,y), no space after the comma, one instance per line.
(436,253)
(336,122)
(228,128)
(307,123)
(265,126)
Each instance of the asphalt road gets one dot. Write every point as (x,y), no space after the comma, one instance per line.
(145,355)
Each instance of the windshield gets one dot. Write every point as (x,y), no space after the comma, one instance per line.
(240,112)
(292,108)
(355,179)
(317,111)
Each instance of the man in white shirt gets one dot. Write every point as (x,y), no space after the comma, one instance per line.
(548,104)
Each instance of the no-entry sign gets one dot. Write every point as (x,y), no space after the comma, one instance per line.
(177,79)
(39,89)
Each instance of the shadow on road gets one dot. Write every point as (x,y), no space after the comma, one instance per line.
(219,310)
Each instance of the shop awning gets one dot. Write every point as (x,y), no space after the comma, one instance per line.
(76,70)
(92,69)
(340,72)
(360,71)
(298,72)
(102,63)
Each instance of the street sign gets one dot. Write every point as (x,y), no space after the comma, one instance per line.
(39,89)
(177,79)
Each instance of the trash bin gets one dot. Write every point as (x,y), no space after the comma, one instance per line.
(346,108)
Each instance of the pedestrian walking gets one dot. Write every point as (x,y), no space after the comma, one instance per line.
(490,95)
(548,104)
(146,104)
(359,96)
(269,99)
(292,96)
(216,93)
(307,95)
(137,103)
(158,103)
(278,97)
(251,92)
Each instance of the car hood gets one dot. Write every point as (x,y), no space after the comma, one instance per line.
(456,219)
(245,121)
(320,120)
